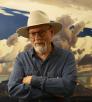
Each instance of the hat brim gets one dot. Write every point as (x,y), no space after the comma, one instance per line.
(23,31)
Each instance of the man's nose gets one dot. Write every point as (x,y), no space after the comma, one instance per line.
(37,35)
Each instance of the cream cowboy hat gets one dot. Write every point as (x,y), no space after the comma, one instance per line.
(38,18)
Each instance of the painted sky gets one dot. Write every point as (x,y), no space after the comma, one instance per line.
(78,9)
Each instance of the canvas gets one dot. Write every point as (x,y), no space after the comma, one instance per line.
(75,14)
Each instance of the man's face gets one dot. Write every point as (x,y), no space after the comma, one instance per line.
(41,37)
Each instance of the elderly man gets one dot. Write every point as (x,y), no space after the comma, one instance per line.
(44,73)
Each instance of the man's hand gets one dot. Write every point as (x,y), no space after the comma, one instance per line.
(27,80)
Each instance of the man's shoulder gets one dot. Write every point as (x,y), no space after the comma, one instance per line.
(25,53)
(63,51)
(64,54)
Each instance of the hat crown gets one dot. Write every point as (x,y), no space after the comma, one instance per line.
(37,18)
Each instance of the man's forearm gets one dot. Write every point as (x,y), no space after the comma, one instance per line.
(55,86)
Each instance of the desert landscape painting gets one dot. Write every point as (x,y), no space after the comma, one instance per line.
(76,34)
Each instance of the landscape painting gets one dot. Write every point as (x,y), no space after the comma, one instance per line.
(75,36)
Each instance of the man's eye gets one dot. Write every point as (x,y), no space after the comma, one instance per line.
(33,33)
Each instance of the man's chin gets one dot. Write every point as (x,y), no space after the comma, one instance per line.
(40,49)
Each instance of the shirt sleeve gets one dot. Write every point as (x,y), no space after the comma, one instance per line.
(60,86)
(15,86)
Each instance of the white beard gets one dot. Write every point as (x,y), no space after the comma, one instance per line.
(41,49)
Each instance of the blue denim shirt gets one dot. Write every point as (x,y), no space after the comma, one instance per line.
(56,76)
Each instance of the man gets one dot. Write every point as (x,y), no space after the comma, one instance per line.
(45,72)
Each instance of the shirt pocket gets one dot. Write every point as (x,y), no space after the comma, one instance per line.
(28,70)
